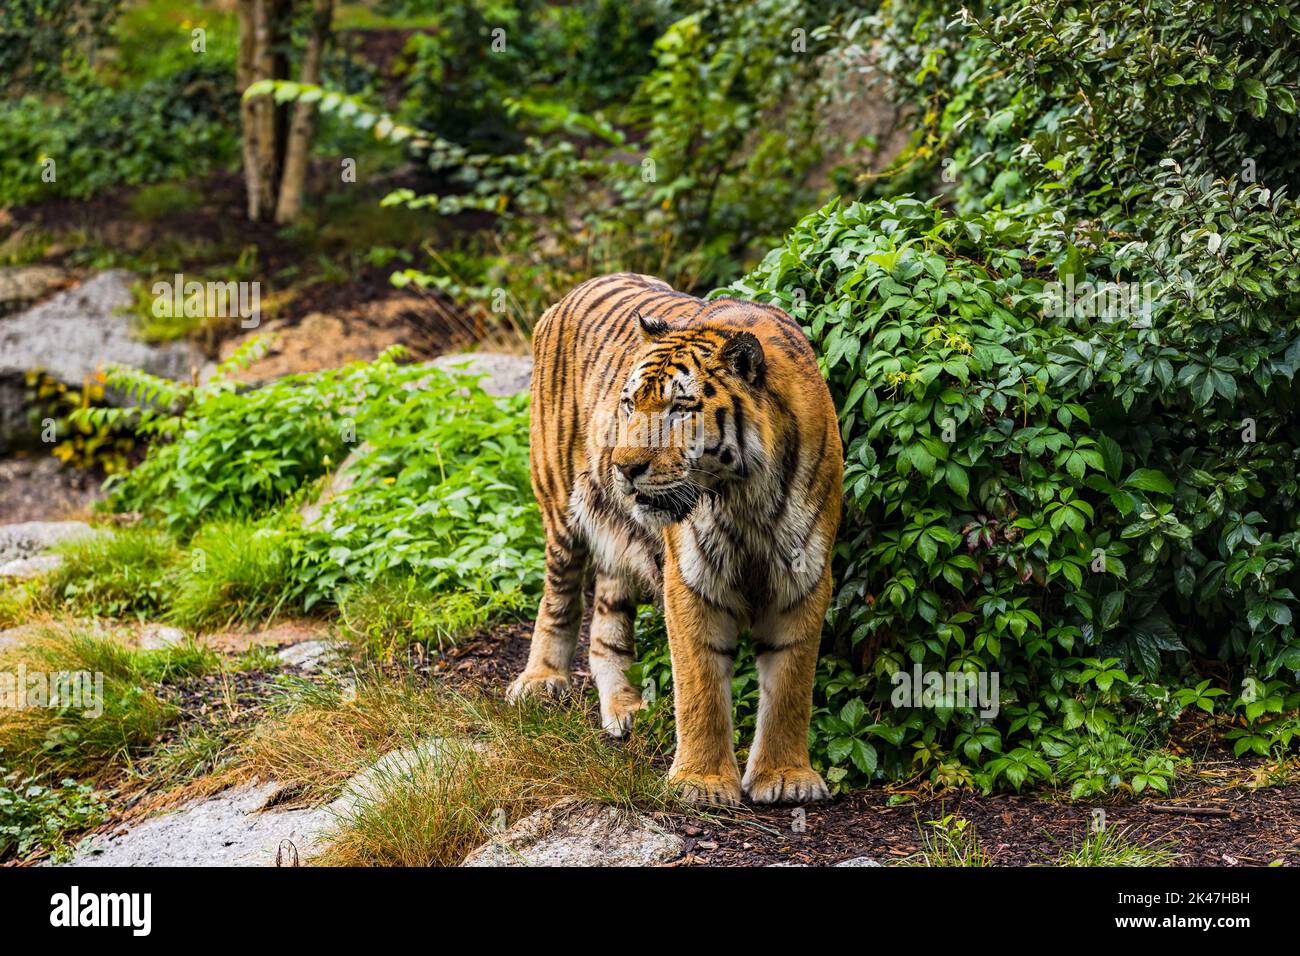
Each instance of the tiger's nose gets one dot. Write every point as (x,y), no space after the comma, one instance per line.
(633,471)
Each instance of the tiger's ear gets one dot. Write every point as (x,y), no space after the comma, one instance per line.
(743,354)
(651,328)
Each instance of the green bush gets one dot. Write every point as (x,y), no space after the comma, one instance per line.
(1061,500)
(462,75)
(99,137)
(440,486)
(442,493)
(230,455)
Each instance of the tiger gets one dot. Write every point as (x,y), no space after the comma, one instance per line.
(687,452)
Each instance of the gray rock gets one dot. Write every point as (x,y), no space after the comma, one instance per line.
(31,538)
(335,484)
(20,286)
(71,336)
(26,633)
(224,830)
(580,834)
(241,827)
(81,329)
(17,636)
(22,568)
(309,655)
(157,637)
(503,374)
(375,781)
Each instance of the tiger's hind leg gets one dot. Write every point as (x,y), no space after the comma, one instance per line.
(555,635)
(613,651)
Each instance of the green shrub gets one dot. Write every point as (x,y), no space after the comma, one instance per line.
(39,39)
(441,489)
(99,137)
(585,53)
(230,455)
(442,492)
(35,816)
(1061,501)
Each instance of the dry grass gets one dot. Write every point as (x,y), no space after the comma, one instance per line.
(495,764)
(24,602)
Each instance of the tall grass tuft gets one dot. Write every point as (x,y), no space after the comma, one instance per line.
(127,573)
(491,761)
(237,574)
(387,616)
(59,741)
(1117,847)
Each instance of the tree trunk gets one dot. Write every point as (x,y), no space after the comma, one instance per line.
(261,203)
(289,206)
(246,73)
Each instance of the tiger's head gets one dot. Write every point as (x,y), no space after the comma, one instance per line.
(687,421)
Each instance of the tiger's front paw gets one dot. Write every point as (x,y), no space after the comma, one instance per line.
(545,684)
(619,712)
(786,785)
(708,789)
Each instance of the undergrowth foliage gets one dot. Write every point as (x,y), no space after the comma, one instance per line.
(1094,505)
(439,495)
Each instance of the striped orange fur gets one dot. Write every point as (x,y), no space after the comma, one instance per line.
(688,451)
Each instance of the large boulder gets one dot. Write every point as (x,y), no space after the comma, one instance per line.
(503,374)
(72,336)
(23,286)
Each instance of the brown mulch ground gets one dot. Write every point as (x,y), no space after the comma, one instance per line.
(1257,826)
(495,658)
(1263,826)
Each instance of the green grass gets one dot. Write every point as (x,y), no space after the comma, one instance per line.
(122,574)
(159,201)
(949,842)
(22,602)
(237,574)
(58,741)
(383,618)
(195,751)
(1117,847)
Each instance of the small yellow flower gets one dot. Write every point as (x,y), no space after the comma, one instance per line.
(389,481)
